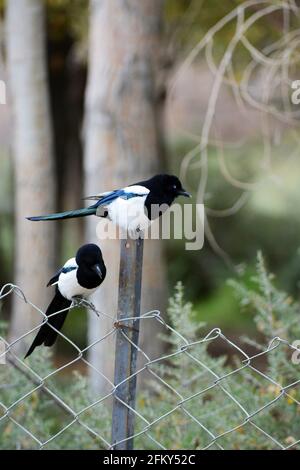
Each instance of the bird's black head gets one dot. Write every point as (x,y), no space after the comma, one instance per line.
(172,185)
(91,267)
(168,185)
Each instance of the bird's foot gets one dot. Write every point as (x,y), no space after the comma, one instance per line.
(80,301)
(136,233)
(77,300)
(91,306)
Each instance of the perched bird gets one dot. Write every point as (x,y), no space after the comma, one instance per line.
(132,207)
(79,277)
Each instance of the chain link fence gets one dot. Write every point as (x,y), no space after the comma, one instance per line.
(186,402)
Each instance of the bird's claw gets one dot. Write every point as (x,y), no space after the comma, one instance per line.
(93,308)
(80,301)
(77,300)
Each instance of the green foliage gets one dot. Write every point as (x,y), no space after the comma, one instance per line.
(6,219)
(275,314)
(67,18)
(187,21)
(268,222)
(42,416)
(198,396)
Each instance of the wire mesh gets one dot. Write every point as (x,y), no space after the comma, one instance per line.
(177,408)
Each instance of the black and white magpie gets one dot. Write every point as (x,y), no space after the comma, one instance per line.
(132,207)
(79,277)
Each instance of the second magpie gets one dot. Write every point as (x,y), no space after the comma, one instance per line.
(79,277)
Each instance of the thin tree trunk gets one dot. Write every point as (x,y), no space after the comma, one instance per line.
(122,142)
(33,159)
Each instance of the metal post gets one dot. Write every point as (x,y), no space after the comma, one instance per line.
(130,280)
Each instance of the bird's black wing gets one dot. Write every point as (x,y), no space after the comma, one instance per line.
(47,335)
(55,278)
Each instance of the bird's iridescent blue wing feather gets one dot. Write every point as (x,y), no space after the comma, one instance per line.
(119,193)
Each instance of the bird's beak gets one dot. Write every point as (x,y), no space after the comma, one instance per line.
(183,192)
(96,268)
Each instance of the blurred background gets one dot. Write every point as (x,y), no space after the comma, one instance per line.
(105,93)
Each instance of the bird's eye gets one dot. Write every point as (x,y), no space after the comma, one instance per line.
(174,186)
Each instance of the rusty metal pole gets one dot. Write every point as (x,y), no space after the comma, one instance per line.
(130,282)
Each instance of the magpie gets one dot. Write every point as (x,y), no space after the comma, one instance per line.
(79,277)
(132,207)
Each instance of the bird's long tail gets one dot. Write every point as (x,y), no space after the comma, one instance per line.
(65,215)
(46,334)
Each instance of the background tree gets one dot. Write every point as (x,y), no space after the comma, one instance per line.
(32,153)
(238,144)
(122,138)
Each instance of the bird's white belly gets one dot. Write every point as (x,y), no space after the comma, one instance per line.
(129,214)
(69,286)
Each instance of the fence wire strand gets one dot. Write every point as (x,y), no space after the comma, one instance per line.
(218,382)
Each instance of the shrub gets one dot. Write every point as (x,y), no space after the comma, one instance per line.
(189,396)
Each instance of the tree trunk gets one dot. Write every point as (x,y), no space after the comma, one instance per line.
(33,159)
(122,143)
